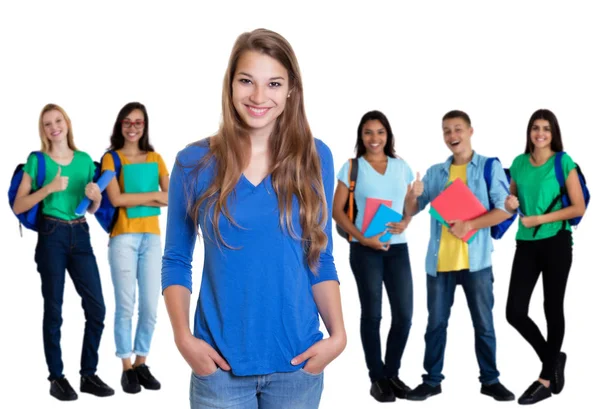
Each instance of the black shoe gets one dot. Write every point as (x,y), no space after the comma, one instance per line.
(497,391)
(61,389)
(535,393)
(147,380)
(399,388)
(94,385)
(382,391)
(558,382)
(130,381)
(424,391)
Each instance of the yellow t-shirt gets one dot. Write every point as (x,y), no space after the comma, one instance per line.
(453,254)
(139,224)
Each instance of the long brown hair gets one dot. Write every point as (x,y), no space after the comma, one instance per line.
(295,164)
(556,144)
(44,139)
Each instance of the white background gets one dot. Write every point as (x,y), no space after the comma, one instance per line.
(497,61)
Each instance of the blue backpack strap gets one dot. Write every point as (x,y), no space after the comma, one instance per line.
(117,162)
(558,170)
(41,169)
(561,182)
(487,175)
(487,171)
(560,176)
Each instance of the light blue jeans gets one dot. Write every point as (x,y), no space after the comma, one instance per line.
(135,257)
(289,390)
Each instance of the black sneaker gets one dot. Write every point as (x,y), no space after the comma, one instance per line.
(399,388)
(558,382)
(94,385)
(535,393)
(424,391)
(497,391)
(147,380)
(61,389)
(130,381)
(382,391)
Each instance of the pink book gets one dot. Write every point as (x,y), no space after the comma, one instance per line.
(457,202)
(370,210)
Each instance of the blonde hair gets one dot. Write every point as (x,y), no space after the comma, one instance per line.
(44,139)
(295,164)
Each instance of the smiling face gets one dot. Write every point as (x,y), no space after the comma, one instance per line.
(541,134)
(260,90)
(132,126)
(55,126)
(374,137)
(457,135)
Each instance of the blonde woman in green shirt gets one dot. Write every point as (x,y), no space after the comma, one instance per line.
(544,245)
(64,244)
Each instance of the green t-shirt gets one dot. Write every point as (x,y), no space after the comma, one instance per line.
(537,186)
(80,172)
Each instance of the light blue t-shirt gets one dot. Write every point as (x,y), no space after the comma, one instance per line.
(392,185)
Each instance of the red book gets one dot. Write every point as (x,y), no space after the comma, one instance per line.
(370,209)
(457,202)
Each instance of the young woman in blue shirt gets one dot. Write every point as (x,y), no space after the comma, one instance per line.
(260,191)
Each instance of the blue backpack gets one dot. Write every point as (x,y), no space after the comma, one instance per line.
(563,195)
(498,230)
(107,214)
(31,217)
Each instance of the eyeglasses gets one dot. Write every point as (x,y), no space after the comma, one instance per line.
(127,123)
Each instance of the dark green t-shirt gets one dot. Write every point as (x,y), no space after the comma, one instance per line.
(537,186)
(80,172)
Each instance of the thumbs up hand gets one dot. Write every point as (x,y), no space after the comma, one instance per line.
(416,188)
(59,183)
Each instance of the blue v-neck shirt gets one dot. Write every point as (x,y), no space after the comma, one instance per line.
(255,306)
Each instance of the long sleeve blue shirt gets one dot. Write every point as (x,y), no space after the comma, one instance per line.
(436,179)
(256,306)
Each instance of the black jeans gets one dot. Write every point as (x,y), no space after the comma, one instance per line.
(372,269)
(552,258)
(64,246)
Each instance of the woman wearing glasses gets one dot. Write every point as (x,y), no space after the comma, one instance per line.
(134,250)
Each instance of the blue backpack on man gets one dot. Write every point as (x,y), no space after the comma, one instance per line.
(498,230)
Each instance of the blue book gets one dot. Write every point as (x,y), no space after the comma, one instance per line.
(383,216)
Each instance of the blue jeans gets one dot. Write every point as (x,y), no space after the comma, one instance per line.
(478,287)
(289,390)
(135,257)
(372,269)
(61,246)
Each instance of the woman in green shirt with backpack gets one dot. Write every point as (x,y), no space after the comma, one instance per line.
(64,244)
(544,244)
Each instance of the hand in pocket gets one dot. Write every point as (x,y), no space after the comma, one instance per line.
(201,357)
(320,354)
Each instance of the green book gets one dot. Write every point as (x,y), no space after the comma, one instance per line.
(141,178)
(434,213)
